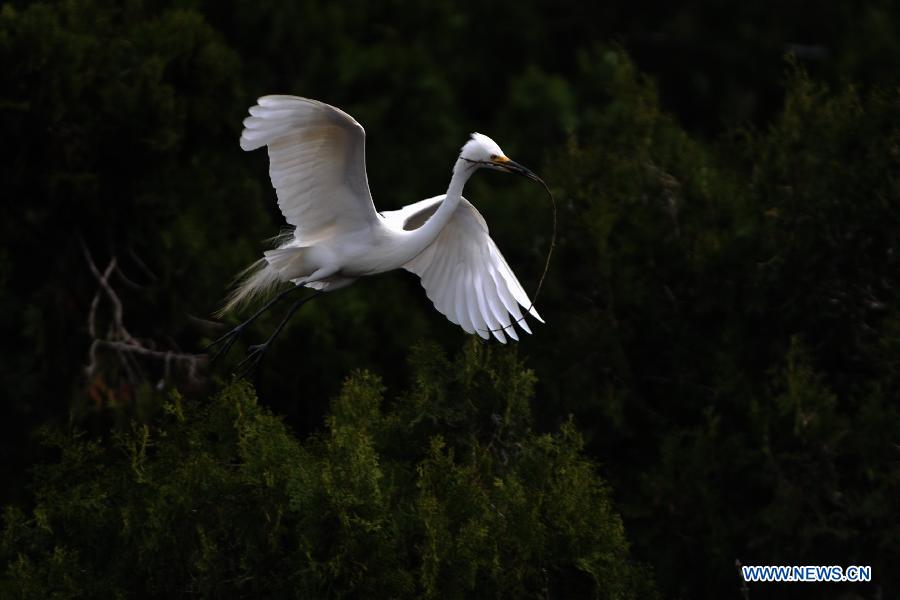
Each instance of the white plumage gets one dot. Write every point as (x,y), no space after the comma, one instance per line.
(317,167)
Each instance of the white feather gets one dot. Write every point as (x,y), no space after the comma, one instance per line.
(317,167)
(472,289)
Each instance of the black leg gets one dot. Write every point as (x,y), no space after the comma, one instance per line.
(228,340)
(257,351)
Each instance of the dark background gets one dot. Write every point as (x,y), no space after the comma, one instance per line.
(721,312)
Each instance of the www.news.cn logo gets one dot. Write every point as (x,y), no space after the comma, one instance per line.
(783,573)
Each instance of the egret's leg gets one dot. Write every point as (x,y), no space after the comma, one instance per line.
(228,340)
(257,351)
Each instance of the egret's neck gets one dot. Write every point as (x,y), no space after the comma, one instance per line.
(462,170)
(426,234)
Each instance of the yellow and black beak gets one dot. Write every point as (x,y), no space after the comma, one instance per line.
(502,163)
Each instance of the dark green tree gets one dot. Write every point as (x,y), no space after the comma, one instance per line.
(721,311)
(734,327)
(443,491)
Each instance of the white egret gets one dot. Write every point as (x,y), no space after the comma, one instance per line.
(317,167)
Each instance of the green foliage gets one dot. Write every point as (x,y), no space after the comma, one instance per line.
(121,118)
(735,329)
(721,310)
(220,498)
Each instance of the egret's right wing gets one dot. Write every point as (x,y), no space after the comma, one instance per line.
(412,216)
(317,163)
(464,274)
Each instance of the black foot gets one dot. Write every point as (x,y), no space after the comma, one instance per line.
(228,340)
(225,343)
(255,354)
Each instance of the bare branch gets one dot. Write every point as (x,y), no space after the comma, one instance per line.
(118,311)
(164,355)
(128,281)
(140,263)
(118,339)
(96,301)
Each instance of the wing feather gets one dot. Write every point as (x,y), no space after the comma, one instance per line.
(317,164)
(487,310)
(399,218)
(475,312)
(513,284)
(461,306)
(501,316)
(465,275)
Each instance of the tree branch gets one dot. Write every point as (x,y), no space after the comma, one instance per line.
(121,341)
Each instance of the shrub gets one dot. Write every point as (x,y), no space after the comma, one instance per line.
(444,491)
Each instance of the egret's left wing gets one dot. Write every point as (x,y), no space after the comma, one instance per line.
(317,163)
(464,274)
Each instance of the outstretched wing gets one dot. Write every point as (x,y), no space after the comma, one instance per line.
(464,274)
(317,163)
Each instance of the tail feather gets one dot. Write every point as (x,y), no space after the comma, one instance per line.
(257,280)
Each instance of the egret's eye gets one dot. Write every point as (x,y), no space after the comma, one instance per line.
(493,157)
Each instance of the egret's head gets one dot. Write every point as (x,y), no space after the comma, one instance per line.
(482,151)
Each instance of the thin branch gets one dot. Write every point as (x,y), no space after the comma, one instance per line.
(128,281)
(142,265)
(118,311)
(119,340)
(96,301)
(165,355)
